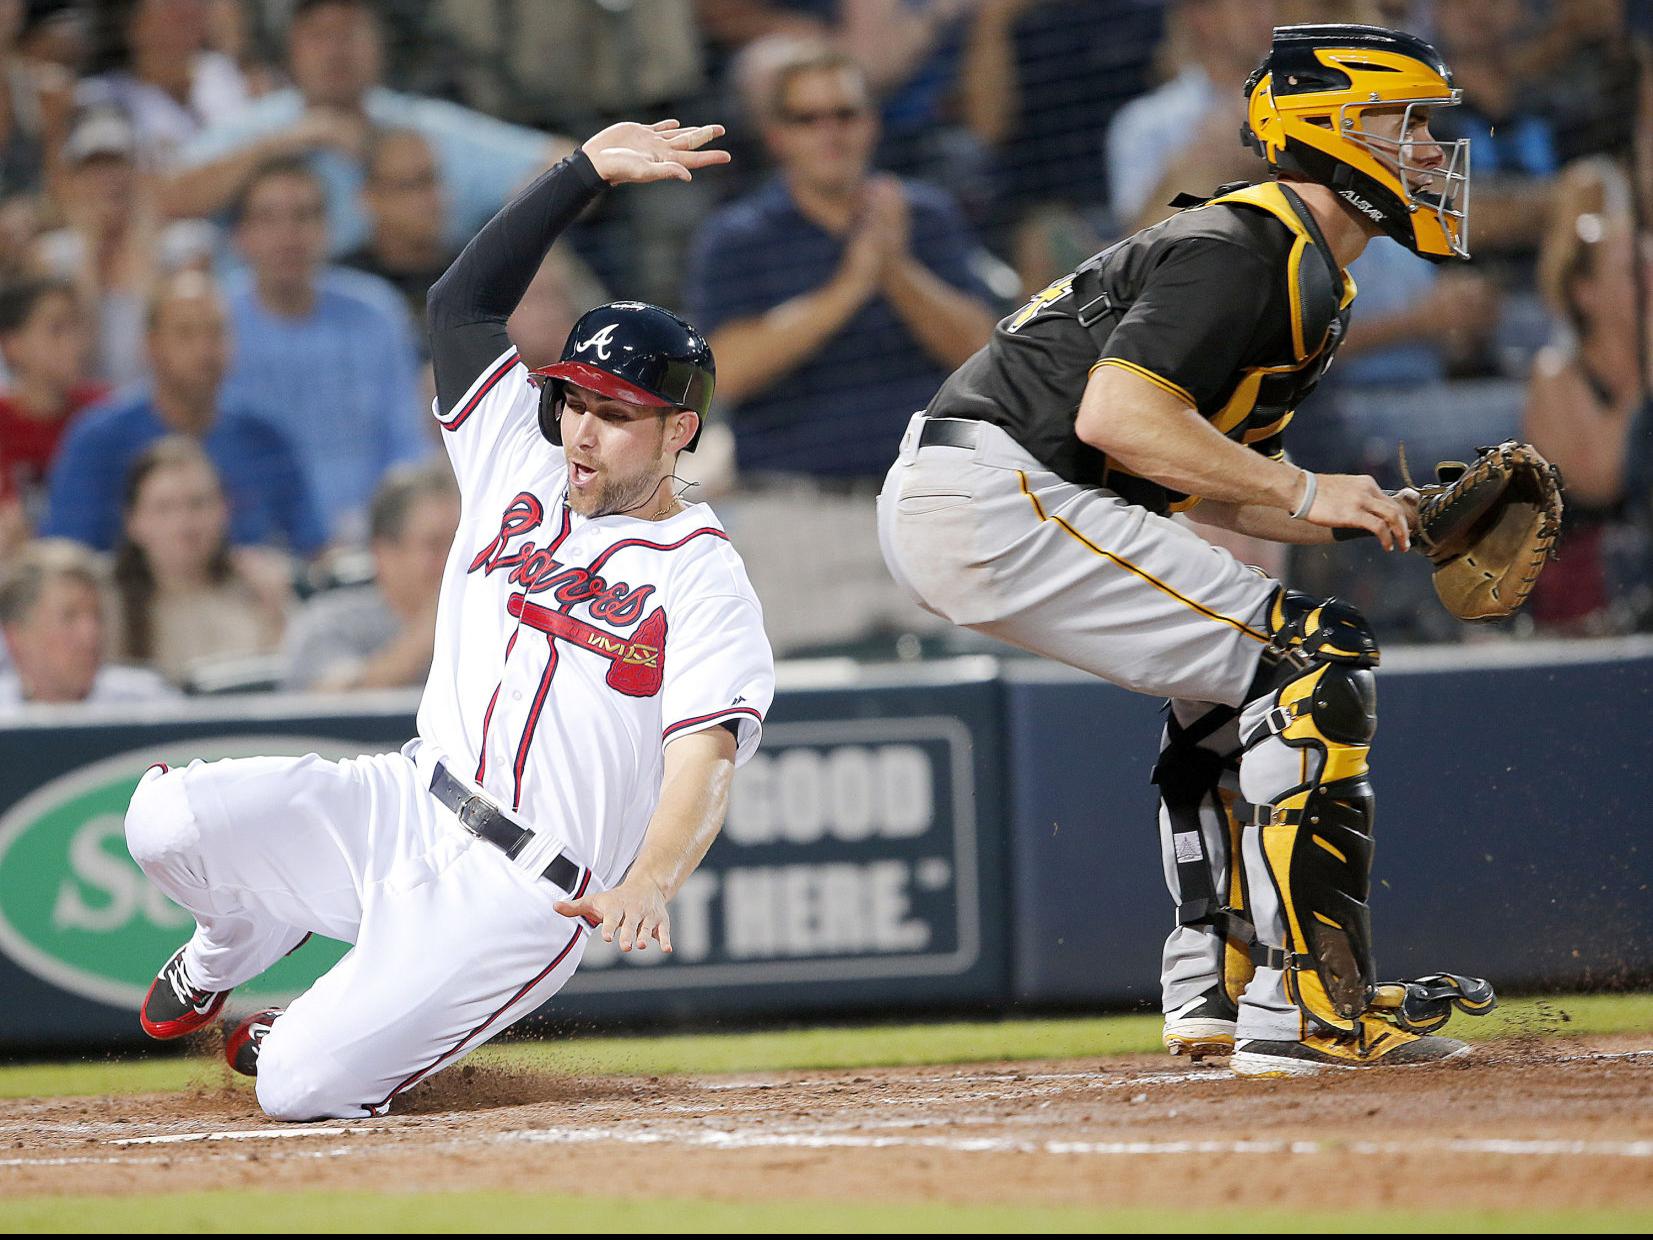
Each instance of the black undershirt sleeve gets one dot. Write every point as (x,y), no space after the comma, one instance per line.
(468,306)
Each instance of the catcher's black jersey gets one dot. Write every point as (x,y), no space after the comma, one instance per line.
(1235,306)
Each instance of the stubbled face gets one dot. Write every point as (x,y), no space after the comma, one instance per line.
(334,54)
(825,130)
(409,568)
(179,519)
(617,452)
(58,646)
(52,345)
(283,230)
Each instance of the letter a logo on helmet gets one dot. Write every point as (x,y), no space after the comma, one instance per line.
(1307,114)
(635,352)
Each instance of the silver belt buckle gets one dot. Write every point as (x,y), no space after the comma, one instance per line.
(471,804)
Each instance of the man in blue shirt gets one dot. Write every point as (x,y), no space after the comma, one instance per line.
(332,349)
(188,345)
(336,58)
(836,301)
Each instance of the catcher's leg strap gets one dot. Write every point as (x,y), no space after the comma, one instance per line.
(1317,832)
(1194,764)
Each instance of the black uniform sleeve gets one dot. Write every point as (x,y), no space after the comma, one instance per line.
(468,306)
(1207,310)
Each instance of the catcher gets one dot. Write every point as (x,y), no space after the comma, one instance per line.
(1031,502)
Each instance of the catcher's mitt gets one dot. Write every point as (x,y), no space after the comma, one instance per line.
(1488,527)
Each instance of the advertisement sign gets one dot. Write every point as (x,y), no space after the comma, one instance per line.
(849,874)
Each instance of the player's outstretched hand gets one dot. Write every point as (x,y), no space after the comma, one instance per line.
(631,153)
(631,914)
(1355,501)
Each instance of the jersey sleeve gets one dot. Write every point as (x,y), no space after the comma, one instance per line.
(719,670)
(493,424)
(1202,313)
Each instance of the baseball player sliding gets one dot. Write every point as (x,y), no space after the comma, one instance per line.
(1031,500)
(600,671)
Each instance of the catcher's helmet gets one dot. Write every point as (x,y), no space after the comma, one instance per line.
(1305,116)
(635,352)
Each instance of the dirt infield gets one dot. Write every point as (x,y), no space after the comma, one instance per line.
(1558,1124)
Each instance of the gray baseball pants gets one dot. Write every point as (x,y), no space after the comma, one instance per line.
(987,538)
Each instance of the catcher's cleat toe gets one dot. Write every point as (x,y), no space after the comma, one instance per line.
(1201,1028)
(175,1006)
(1318,1053)
(241,1043)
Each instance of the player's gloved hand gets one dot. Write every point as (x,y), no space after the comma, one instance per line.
(631,914)
(1355,501)
(630,153)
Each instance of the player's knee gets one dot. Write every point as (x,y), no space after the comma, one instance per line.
(159,820)
(296,1086)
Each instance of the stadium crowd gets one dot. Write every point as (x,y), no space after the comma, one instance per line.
(219,220)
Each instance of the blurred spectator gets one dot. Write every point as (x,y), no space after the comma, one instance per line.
(1417,323)
(332,349)
(52,615)
(562,290)
(381,635)
(183,602)
(836,301)
(574,65)
(1587,406)
(35,102)
(188,340)
(44,341)
(55,34)
(1041,78)
(234,30)
(1514,140)
(113,245)
(158,71)
(335,56)
(1185,135)
(402,198)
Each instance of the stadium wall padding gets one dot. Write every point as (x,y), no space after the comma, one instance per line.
(966,835)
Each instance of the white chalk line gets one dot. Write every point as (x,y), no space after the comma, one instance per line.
(738,1140)
(249,1134)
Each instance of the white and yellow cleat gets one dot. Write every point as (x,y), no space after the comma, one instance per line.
(1378,1045)
(1201,1028)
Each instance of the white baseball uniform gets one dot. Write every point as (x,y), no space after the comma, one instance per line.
(569,653)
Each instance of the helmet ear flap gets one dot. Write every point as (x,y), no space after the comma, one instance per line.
(550,411)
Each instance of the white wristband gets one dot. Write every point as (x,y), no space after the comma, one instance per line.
(1311,484)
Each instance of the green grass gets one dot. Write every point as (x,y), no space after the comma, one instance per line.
(791,1050)
(506,1212)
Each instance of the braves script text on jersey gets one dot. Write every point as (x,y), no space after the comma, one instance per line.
(570,652)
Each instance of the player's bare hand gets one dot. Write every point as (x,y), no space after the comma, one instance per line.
(631,914)
(1355,501)
(631,153)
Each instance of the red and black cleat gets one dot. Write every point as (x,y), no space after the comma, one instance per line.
(241,1043)
(175,1006)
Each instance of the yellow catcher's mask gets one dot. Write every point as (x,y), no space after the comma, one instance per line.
(1309,114)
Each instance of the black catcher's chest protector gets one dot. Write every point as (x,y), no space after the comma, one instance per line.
(1261,398)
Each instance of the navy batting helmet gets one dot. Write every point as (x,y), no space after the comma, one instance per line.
(635,352)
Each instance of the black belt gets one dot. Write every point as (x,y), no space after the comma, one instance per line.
(485,820)
(948,433)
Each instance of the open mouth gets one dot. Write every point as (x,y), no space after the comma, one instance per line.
(580,475)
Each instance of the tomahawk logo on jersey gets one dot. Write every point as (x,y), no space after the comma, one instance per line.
(573,644)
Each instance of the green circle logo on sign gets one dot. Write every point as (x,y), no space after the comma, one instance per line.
(76,910)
